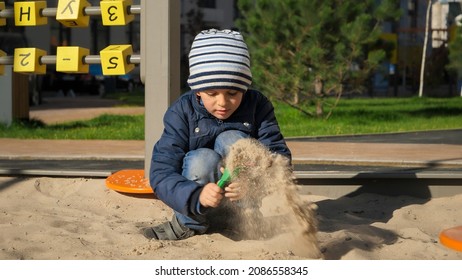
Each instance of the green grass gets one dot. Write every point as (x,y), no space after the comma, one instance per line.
(104,127)
(384,115)
(352,116)
(135,98)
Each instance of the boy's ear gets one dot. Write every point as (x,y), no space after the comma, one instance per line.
(198,96)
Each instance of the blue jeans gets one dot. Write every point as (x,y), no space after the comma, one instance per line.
(203,166)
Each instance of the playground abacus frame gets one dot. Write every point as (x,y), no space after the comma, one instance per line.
(160,34)
(114,59)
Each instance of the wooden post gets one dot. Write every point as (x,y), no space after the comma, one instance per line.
(20,96)
(160,65)
(6,96)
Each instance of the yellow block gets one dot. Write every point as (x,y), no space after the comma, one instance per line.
(115,12)
(28,13)
(70,13)
(2,20)
(2,67)
(70,59)
(27,60)
(114,59)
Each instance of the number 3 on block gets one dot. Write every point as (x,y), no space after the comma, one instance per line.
(115,12)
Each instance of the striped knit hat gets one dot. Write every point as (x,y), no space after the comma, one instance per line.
(219,59)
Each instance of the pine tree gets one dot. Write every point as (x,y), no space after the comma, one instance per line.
(455,54)
(305,50)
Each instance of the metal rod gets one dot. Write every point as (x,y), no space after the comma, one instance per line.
(6,60)
(7,13)
(51,59)
(92,59)
(92,11)
(48,59)
(51,12)
(135,9)
(134,59)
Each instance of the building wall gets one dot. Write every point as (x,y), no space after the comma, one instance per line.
(411,34)
(219,14)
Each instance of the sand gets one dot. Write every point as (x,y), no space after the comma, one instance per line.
(79,218)
(267,177)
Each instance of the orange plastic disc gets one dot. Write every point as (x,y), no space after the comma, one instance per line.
(452,238)
(129,181)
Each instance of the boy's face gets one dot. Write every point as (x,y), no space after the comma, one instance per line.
(221,103)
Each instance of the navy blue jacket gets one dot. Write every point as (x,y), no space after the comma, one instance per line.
(189,126)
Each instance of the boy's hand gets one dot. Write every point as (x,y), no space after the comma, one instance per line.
(235,191)
(211,195)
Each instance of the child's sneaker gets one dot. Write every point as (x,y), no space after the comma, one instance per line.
(170,230)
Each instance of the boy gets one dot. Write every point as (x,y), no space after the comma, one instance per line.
(200,127)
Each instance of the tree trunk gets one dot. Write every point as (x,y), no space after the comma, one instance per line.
(424,52)
(318,88)
(319,108)
(296,98)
